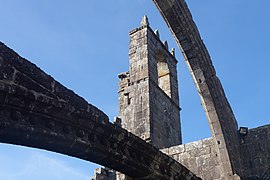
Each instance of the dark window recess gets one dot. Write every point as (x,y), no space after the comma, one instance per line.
(128,98)
(128,101)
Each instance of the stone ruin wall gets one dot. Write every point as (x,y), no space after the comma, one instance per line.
(200,157)
(37,111)
(163,128)
(205,158)
(164,98)
(255,153)
(226,155)
(148,95)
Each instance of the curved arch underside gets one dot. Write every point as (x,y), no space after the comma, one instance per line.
(37,111)
(216,106)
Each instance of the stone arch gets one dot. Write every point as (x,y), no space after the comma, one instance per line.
(37,111)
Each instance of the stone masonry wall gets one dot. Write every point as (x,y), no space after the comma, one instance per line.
(148,94)
(134,108)
(37,111)
(255,151)
(164,133)
(200,157)
(164,98)
(134,88)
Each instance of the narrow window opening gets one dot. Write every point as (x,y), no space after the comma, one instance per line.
(128,99)
(163,74)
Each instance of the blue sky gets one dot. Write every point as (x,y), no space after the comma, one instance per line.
(84,45)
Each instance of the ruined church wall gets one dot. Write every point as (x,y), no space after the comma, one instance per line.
(164,103)
(165,122)
(255,152)
(134,109)
(134,87)
(200,157)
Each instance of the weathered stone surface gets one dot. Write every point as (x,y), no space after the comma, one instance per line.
(255,153)
(37,111)
(223,156)
(148,94)
(200,157)
(104,174)
(219,113)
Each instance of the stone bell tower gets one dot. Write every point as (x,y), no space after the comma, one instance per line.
(148,94)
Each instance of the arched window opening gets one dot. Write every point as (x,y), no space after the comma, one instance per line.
(163,74)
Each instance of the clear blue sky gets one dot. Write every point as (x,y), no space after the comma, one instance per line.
(84,45)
